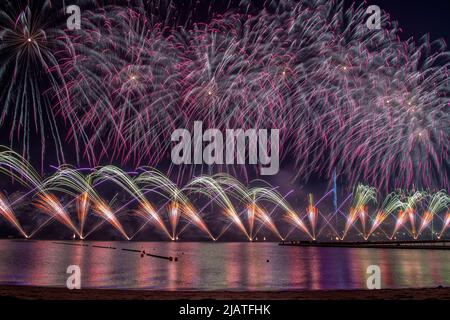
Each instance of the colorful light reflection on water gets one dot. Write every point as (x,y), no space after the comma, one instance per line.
(218,266)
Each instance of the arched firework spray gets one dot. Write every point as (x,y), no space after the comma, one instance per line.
(438,202)
(277,199)
(123,180)
(155,181)
(224,191)
(249,198)
(391,204)
(213,190)
(359,210)
(408,212)
(21,170)
(70,181)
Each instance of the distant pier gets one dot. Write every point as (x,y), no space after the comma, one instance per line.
(394,244)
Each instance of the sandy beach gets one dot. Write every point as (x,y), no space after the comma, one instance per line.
(43,293)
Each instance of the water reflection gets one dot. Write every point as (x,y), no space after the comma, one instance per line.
(218,266)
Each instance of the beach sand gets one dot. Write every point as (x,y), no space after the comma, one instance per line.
(44,293)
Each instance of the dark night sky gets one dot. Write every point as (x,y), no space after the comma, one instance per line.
(418,17)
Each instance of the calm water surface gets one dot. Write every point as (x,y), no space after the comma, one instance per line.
(218,266)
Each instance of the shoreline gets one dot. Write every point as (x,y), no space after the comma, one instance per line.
(14,292)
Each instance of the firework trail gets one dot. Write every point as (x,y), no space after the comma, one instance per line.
(15,166)
(439,201)
(209,187)
(82,200)
(222,189)
(408,212)
(359,209)
(251,219)
(312,215)
(254,210)
(122,179)
(445,224)
(399,222)
(335,201)
(105,211)
(152,179)
(249,199)
(174,217)
(21,170)
(50,205)
(391,204)
(83,206)
(70,181)
(290,215)
(7,213)
(266,220)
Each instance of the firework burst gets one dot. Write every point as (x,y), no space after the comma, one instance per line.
(347,100)
(28,67)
